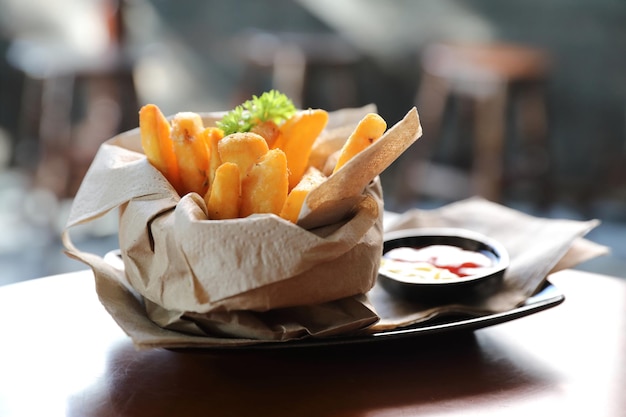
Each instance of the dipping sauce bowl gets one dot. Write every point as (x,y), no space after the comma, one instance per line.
(441,264)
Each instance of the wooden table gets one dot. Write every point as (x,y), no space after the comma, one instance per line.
(62,355)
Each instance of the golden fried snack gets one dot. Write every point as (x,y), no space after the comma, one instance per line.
(296,138)
(262,157)
(329,142)
(192,153)
(212,135)
(369,129)
(264,189)
(311,179)
(268,129)
(157,143)
(243,149)
(224,196)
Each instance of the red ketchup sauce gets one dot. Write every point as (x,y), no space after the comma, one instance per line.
(458,261)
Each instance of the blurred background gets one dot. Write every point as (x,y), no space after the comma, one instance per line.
(523,103)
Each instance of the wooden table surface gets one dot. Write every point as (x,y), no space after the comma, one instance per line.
(61,354)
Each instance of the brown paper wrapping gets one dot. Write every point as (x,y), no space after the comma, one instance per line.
(537,247)
(257,278)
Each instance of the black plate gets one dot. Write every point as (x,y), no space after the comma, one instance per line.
(548,297)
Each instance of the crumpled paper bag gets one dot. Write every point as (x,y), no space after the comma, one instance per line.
(257,278)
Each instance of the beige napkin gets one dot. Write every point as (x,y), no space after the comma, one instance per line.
(536,246)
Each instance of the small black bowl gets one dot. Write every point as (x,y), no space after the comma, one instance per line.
(486,282)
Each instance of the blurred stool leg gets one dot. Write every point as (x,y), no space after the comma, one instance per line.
(488,154)
(26,152)
(55,134)
(533,125)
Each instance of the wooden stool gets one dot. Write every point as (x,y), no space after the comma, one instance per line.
(290,60)
(72,102)
(491,78)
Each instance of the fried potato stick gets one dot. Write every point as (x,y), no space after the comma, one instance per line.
(212,135)
(156,141)
(296,139)
(243,149)
(311,179)
(369,130)
(192,153)
(269,130)
(265,187)
(224,196)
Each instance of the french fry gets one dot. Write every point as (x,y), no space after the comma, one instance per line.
(156,142)
(271,168)
(265,187)
(192,153)
(243,149)
(329,142)
(224,196)
(212,135)
(369,130)
(296,138)
(269,130)
(311,179)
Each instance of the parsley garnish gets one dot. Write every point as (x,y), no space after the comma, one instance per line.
(272,105)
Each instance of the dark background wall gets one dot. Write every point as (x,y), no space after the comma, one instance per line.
(586,41)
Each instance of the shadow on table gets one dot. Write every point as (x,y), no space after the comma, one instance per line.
(418,373)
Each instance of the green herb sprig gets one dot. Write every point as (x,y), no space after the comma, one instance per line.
(271,105)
